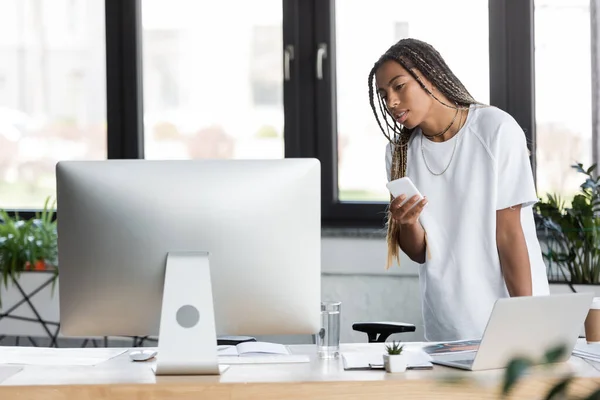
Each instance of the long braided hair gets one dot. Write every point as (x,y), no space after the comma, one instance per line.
(412,54)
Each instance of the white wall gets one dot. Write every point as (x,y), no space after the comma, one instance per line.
(354,273)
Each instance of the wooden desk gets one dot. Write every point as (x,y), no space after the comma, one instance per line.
(119,378)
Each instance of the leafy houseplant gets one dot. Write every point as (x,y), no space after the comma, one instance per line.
(394,360)
(573,233)
(28,244)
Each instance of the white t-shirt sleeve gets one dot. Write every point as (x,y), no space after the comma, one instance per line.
(515,184)
(388,161)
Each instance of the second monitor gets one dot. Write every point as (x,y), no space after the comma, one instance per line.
(254,224)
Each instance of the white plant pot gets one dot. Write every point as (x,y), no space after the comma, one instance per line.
(395,362)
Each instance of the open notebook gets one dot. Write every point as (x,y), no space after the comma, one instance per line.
(253,349)
(258,353)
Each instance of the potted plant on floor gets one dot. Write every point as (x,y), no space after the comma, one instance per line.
(571,235)
(28,245)
(394,360)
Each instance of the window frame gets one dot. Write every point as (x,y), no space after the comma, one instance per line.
(124,76)
(512,64)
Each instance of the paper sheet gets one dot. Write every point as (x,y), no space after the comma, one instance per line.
(56,356)
(8,371)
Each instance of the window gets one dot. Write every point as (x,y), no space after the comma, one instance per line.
(212,89)
(52,96)
(360,144)
(563,82)
(190,79)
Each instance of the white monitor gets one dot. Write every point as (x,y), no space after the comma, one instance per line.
(154,247)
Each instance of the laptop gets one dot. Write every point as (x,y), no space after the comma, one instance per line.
(520,326)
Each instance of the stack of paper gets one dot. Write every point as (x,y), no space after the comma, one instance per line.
(588,351)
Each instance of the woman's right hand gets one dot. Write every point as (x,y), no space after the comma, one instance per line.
(405,214)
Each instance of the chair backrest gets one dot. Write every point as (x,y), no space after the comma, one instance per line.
(380,331)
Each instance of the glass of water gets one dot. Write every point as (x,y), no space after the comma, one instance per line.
(328,339)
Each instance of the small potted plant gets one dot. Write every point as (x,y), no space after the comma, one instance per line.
(394,360)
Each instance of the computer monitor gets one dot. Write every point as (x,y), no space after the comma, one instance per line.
(240,237)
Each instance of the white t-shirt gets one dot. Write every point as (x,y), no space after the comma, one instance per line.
(489,171)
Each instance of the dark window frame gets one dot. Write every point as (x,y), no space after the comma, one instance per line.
(124,76)
(512,64)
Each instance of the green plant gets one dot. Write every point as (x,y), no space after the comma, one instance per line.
(394,348)
(28,244)
(519,367)
(574,232)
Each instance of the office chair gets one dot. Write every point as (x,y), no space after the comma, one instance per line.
(378,332)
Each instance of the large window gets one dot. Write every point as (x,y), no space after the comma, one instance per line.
(213,79)
(52,93)
(361,166)
(563,82)
(271,78)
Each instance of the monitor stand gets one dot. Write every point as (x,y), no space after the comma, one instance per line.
(187,341)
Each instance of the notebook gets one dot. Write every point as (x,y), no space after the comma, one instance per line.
(252,349)
(259,353)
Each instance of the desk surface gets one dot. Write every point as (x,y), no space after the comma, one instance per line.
(119,378)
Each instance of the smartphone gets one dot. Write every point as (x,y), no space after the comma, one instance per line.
(404,186)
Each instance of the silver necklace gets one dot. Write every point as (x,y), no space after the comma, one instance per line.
(451,156)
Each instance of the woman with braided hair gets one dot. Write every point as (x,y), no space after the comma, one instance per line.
(473,233)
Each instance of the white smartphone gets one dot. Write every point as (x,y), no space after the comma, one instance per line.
(404,186)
